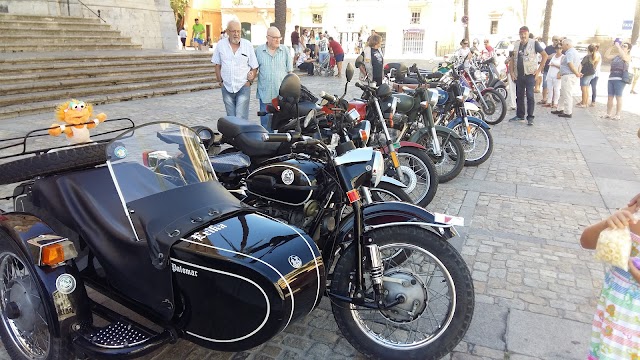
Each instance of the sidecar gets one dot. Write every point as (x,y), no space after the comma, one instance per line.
(151,229)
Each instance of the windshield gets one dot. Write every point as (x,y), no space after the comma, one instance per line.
(157,157)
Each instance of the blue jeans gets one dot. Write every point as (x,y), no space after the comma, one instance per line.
(265,120)
(237,104)
(594,84)
(525,83)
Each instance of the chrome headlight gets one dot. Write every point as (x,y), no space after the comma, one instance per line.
(353,115)
(466,93)
(378,168)
(433,98)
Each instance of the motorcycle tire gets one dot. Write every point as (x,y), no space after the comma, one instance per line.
(477,131)
(75,158)
(14,264)
(456,277)
(502,90)
(420,175)
(496,108)
(452,150)
(389,192)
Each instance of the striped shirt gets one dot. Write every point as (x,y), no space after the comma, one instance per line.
(234,67)
(272,69)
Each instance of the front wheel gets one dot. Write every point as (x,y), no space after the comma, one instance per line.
(431,277)
(450,162)
(479,148)
(496,107)
(419,175)
(389,192)
(26,330)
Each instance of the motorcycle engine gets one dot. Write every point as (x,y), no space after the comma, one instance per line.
(299,216)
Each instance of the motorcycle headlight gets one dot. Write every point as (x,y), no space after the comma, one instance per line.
(353,115)
(378,168)
(307,120)
(433,98)
(466,92)
(364,131)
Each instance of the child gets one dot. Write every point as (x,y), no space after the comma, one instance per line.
(615,333)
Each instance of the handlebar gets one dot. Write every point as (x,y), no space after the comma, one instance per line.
(280,137)
(330,98)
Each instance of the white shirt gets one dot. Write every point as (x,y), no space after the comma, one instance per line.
(234,67)
(183,33)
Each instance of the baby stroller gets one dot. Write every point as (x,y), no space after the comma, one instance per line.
(326,67)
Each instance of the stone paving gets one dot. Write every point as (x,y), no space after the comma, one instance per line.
(525,208)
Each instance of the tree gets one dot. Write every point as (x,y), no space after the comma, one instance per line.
(636,24)
(280,9)
(547,20)
(466,14)
(179,7)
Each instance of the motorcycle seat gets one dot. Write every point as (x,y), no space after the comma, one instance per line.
(231,162)
(247,137)
(434,75)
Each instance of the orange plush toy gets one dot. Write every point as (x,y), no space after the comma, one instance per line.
(75,114)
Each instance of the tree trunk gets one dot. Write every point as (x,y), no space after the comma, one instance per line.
(281,17)
(636,24)
(466,13)
(547,21)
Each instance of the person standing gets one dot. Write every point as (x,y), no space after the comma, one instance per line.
(373,60)
(635,64)
(295,39)
(198,34)
(524,68)
(594,81)
(183,38)
(336,50)
(619,64)
(553,83)
(569,76)
(512,85)
(487,52)
(274,62)
(588,70)
(550,50)
(311,44)
(236,65)
(323,50)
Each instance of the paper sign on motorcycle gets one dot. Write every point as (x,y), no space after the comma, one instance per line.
(448,219)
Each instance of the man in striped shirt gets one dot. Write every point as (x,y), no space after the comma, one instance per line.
(274,62)
(236,64)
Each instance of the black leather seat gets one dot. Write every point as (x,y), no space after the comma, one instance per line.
(247,137)
(434,75)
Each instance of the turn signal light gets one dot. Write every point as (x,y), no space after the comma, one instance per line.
(353,195)
(364,136)
(51,250)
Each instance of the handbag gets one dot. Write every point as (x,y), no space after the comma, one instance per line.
(587,67)
(627,77)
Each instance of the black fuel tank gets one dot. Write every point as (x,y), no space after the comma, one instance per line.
(245,279)
(290,182)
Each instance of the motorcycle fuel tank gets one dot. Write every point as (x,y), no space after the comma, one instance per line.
(405,103)
(443,96)
(244,279)
(290,182)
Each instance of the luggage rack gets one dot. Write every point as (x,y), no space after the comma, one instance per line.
(21,141)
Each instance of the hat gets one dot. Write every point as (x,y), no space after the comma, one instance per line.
(524,28)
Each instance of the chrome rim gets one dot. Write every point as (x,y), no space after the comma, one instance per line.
(502,91)
(22,308)
(415,176)
(431,297)
(383,195)
(494,107)
(479,144)
(446,162)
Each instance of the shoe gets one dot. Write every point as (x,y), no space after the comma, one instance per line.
(593,104)
(582,106)
(568,116)
(513,108)
(530,122)
(542,102)
(633,92)
(617,117)
(546,105)
(606,116)
(516,118)
(579,104)
(557,112)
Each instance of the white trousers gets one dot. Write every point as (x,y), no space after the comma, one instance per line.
(553,90)
(566,100)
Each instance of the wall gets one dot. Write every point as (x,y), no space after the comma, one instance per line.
(150,23)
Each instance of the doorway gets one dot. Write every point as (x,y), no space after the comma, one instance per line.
(246,30)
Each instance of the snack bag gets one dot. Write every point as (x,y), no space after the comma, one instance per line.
(614,247)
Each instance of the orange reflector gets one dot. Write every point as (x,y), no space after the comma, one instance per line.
(394,159)
(52,254)
(364,136)
(353,195)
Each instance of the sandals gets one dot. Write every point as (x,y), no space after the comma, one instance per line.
(593,104)
(616,117)
(542,102)
(607,116)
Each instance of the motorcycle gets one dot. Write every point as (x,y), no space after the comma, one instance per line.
(155,231)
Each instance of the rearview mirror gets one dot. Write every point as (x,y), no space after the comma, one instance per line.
(359,61)
(290,87)
(349,72)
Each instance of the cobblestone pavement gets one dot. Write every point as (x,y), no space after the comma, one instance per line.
(535,287)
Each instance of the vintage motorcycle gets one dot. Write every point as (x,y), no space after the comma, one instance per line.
(155,231)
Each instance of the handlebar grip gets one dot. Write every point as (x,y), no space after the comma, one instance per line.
(262,113)
(360,86)
(330,98)
(283,137)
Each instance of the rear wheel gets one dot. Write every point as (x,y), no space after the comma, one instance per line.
(450,162)
(26,329)
(389,192)
(419,175)
(479,149)
(431,277)
(496,107)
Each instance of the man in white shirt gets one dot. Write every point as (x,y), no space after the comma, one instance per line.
(236,65)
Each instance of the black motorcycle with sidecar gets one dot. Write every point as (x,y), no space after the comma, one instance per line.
(142,220)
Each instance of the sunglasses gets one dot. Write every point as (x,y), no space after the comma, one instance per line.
(465,43)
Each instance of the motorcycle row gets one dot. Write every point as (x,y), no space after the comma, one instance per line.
(226,238)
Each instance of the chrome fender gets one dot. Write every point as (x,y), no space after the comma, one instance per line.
(392,181)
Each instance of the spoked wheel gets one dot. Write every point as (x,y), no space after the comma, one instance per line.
(435,284)
(502,90)
(478,114)
(479,149)
(25,331)
(496,107)
(389,192)
(419,175)
(450,162)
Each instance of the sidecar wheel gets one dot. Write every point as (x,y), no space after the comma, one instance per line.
(437,288)
(74,158)
(26,327)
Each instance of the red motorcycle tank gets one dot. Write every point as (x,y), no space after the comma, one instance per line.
(360,106)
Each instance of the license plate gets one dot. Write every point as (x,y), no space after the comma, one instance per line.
(448,219)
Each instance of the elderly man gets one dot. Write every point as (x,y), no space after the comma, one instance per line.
(274,62)
(524,69)
(236,67)
(569,76)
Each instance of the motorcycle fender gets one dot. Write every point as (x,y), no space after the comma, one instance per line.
(497,84)
(448,131)
(472,119)
(392,181)
(409,143)
(392,213)
(471,106)
(486,89)
(72,304)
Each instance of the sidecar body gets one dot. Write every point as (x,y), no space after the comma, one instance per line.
(154,231)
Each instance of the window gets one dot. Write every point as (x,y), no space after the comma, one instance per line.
(317,18)
(413,41)
(415,17)
(350,17)
(494,27)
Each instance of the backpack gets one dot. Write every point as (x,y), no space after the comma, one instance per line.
(587,67)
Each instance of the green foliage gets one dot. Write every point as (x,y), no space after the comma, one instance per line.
(178,6)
